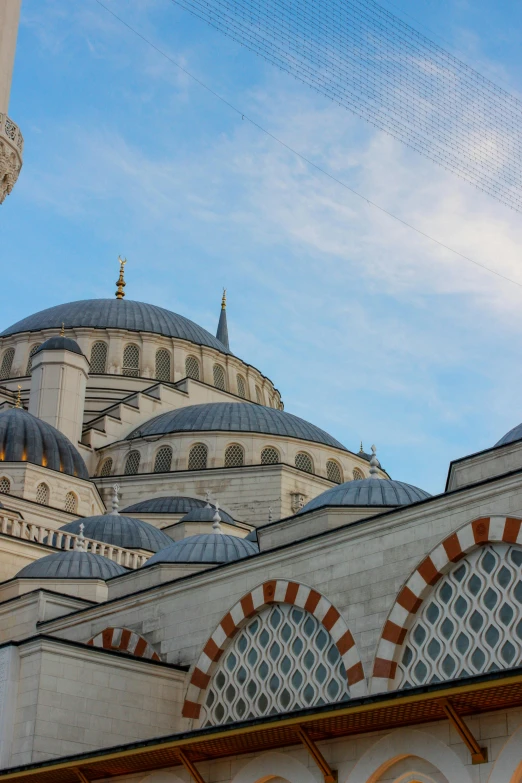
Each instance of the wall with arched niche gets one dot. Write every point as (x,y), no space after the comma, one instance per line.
(274,767)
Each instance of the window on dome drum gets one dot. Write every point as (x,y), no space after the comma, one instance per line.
(131,361)
(357,474)
(333,471)
(303,461)
(241,387)
(258,395)
(270,456)
(283,659)
(71,503)
(198,457)
(219,377)
(162,365)
(5,485)
(132,463)
(106,468)
(99,357)
(30,360)
(471,621)
(42,494)
(163,460)
(7,363)
(234,456)
(192,368)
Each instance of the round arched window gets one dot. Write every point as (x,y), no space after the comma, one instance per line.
(192,368)
(234,456)
(132,463)
(303,461)
(163,461)
(198,457)
(259,398)
(42,494)
(5,485)
(269,456)
(219,377)
(162,365)
(106,468)
(30,360)
(99,357)
(7,363)
(71,503)
(241,386)
(357,474)
(131,361)
(333,471)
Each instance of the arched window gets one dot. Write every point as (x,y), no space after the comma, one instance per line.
(162,365)
(106,468)
(71,503)
(471,621)
(163,460)
(5,485)
(241,386)
(282,660)
(303,461)
(333,471)
(132,463)
(32,352)
(192,368)
(7,363)
(357,474)
(269,456)
(198,457)
(234,456)
(99,357)
(259,398)
(131,360)
(219,377)
(42,494)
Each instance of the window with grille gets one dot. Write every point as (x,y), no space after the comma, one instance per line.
(282,660)
(192,368)
(333,472)
(106,468)
(30,361)
(163,460)
(241,388)
(357,474)
(71,503)
(269,456)
(7,363)
(234,456)
(131,361)
(304,462)
(42,494)
(259,398)
(198,457)
(132,463)
(219,377)
(5,485)
(471,621)
(162,365)
(99,358)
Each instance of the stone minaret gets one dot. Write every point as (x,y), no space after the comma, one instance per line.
(11,140)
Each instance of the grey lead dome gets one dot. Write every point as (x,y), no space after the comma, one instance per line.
(59,343)
(171,504)
(206,548)
(118,530)
(511,436)
(368,492)
(71,565)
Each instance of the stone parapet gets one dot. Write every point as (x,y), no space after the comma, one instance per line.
(11,149)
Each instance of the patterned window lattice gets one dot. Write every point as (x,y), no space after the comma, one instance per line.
(30,361)
(471,623)
(304,462)
(71,503)
(42,494)
(162,365)
(270,456)
(131,361)
(282,660)
(357,474)
(5,485)
(132,463)
(7,363)
(259,398)
(163,460)
(106,468)
(198,457)
(241,388)
(192,368)
(234,456)
(219,377)
(333,471)
(99,357)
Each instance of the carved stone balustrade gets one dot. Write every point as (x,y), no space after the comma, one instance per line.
(11,149)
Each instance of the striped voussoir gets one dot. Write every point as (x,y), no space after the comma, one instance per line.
(456,546)
(126,641)
(274,591)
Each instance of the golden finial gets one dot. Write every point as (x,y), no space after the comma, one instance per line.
(62,330)
(224,300)
(19,397)
(120,282)
(361,449)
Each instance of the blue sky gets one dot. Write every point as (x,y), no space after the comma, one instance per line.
(367,329)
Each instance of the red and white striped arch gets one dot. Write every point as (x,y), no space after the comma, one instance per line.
(274,591)
(481,531)
(124,640)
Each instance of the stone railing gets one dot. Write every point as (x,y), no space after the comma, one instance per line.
(59,539)
(11,149)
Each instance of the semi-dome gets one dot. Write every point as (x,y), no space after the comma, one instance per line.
(368,492)
(25,438)
(511,436)
(59,343)
(117,314)
(118,530)
(206,514)
(171,504)
(234,417)
(71,565)
(206,548)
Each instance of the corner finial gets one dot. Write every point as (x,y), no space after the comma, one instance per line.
(18,403)
(374,463)
(115,500)
(361,449)
(270,514)
(224,300)
(207,498)
(62,330)
(216,527)
(120,282)
(79,543)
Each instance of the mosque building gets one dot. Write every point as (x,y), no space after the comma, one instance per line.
(198,585)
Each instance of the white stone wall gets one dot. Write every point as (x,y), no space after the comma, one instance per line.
(20,614)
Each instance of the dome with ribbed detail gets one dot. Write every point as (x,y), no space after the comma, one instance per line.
(206,548)
(368,492)
(25,438)
(59,343)
(115,529)
(71,565)
(171,504)
(511,436)
(206,514)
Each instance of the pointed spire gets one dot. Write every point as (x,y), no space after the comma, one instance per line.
(374,464)
(216,527)
(120,282)
(115,501)
(79,543)
(361,450)
(18,403)
(222,330)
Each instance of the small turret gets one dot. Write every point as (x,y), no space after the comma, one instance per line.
(222,330)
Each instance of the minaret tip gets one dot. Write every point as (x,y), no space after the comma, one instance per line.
(374,463)
(120,282)
(18,403)
(224,300)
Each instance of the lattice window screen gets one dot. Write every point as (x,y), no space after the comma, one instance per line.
(162,365)
(71,503)
(5,485)
(234,456)
(106,468)
(198,457)
(163,460)
(269,456)
(219,377)
(333,471)
(357,474)
(282,660)
(30,361)
(241,388)
(131,361)
(42,494)
(99,357)
(258,395)
(132,463)
(192,368)
(471,623)
(304,462)
(7,363)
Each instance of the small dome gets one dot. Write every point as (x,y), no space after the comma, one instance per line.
(368,492)
(172,504)
(25,438)
(207,548)
(121,531)
(59,343)
(206,514)
(511,436)
(71,565)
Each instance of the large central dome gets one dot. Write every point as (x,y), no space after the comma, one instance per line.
(117,314)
